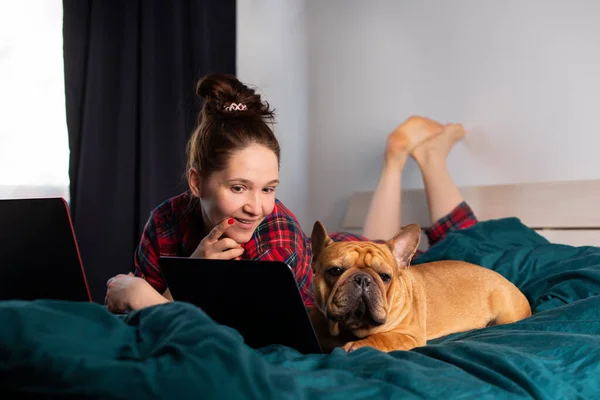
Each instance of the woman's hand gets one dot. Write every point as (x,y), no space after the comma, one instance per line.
(215,247)
(127,293)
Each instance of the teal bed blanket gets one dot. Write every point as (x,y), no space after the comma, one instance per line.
(174,351)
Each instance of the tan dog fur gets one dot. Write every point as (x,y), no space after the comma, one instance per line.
(417,304)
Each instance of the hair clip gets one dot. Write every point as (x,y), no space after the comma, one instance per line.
(236,107)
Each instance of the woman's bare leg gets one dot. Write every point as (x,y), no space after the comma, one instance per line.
(431,156)
(383,218)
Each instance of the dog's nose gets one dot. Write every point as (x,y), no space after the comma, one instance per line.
(363,280)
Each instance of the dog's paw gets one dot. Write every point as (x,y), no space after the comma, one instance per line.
(351,346)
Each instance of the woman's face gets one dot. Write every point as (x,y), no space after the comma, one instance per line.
(245,191)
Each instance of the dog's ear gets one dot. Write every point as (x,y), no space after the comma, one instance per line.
(320,240)
(405,243)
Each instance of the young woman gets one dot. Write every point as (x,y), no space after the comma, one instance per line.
(231,212)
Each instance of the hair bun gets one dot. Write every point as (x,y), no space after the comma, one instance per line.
(226,96)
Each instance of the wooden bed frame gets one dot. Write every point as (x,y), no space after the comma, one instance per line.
(563,212)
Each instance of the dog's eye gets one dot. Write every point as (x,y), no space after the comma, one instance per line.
(335,271)
(385,277)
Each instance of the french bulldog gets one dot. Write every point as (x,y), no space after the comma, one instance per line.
(366,294)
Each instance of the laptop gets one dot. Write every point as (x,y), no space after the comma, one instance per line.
(259,299)
(39,258)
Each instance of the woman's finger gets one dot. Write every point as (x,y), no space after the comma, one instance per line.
(219,230)
(231,254)
(225,244)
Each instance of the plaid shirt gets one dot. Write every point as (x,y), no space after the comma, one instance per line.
(175,229)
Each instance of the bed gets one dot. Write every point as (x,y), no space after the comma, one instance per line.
(63,349)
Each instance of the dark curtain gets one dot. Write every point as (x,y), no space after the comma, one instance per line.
(130,70)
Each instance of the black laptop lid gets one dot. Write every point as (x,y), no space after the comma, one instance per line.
(39,258)
(259,299)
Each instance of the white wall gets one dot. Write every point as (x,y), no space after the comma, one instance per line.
(271,54)
(522,75)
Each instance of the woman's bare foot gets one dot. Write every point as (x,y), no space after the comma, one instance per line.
(438,147)
(408,136)
(383,219)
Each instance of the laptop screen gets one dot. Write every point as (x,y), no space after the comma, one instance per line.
(39,258)
(260,299)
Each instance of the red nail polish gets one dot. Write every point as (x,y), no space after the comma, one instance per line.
(231,221)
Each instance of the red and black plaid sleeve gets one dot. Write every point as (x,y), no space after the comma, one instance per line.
(146,256)
(171,230)
(460,218)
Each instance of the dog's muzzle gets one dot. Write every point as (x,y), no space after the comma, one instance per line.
(358,301)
